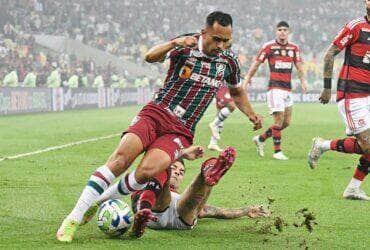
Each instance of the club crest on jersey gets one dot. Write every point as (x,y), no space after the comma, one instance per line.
(185,72)
(220,68)
(283,52)
(290,53)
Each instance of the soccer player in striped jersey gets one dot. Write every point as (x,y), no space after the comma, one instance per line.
(198,65)
(353,99)
(281,55)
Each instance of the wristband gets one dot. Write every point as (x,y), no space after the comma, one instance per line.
(327,83)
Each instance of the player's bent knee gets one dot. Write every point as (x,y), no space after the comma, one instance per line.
(364,142)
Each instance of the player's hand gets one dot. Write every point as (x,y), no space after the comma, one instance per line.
(257,121)
(304,87)
(257,211)
(325,96)
(185,41)
(192,153)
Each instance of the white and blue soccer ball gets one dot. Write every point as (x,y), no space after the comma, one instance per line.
(114,217)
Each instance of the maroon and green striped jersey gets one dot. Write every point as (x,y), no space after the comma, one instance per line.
(192,81)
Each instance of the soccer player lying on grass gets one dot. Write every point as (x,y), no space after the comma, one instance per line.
(165,208)
(172,210)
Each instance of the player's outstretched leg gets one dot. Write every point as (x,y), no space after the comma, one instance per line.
(213,169)
(196,194)
(130,146)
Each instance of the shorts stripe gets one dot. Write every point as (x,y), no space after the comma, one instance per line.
(350,121)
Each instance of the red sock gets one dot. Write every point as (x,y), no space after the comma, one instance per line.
(348,145)
(149,195)
(266,135)
(363,167)
(276,136)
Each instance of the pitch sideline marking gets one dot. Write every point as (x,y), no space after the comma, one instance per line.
(53,148)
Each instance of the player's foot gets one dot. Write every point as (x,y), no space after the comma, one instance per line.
(260,146)
(215,131)
(280,156)
(355,194)
(315,152)
(141,220)
(89,214)
(214,147)
(214,168)
(67,230)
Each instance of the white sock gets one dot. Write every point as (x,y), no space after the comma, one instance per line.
(222,115)
(325,145)
(213,141)
(354,183)
(129,184)
(98,182)
(113,192)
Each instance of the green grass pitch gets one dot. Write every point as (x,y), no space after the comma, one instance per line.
(36,192)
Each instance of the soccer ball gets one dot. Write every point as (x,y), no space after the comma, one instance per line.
(114,217)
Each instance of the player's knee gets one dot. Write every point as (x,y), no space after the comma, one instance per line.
(364,145)
(231,107)
(121,160)
(145,171)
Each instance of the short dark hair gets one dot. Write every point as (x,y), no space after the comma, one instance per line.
(220,17)
(282,24)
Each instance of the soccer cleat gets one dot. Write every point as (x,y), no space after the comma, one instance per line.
(315,152)
(214,147)
(214,168)
(260,146)
(280,156)
(215,131)
(141,220)
(67,231)
(355,194)
(90,213)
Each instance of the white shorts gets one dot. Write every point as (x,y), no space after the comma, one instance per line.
(278,100)
(170,219)
(355,114)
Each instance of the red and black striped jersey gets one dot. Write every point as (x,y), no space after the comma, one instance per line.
(193,79)
(281,59)
(354,77)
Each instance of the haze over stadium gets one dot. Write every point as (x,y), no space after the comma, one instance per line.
(145,84)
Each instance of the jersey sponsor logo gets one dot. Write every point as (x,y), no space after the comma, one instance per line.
(205,79)
(283,65)
(366,59)
(135,120)
(345,39)
(185,72)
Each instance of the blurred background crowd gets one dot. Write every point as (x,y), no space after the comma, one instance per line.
(127,28)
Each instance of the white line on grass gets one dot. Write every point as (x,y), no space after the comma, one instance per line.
(58,147)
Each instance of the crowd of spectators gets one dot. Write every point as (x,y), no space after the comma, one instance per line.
(127,28)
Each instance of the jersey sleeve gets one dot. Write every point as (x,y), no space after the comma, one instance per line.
(233,79)
(262,54)
(346,37)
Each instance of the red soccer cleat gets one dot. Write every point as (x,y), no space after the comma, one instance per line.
(214,168)
(141,220)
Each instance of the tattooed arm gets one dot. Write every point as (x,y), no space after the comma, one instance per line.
(328,73)
(232,213)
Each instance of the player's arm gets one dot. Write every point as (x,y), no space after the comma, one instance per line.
(251,72)
(192,153)
(301,76)
(232,213)
(158,53)
(328,73)
(242,102)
